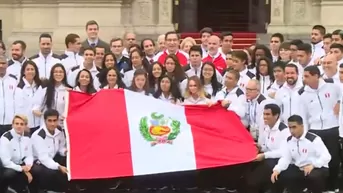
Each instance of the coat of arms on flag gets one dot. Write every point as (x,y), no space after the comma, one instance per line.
(158,129)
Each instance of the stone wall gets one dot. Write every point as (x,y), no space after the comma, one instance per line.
(29,18)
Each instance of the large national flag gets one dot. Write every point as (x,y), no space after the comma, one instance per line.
(116,133)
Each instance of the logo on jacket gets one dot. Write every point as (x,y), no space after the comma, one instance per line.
(327,95)
(304,150)
(10,87)
(158,129)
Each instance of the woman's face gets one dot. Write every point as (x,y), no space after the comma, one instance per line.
(112,77)
(187,46)
(170,65)
(207,71)
(29,72)
(165,84)
(285,54)
(140,81)
(136,60)
(259,54)
(192,87)
(263,67)
(156,71)
(58,74)
(109,61)
(84,78)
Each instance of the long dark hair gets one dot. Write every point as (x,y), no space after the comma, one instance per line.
(133,86)
(216,86)
(178,74)
(36,79)
(269,66)
(174,89)
(267,54)
(104,74)
(50,89)
(103,66)
(90,87)
(145,63)
(152,79)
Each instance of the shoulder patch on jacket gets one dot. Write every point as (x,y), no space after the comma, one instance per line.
(301,91)
(328,80)
(260,99)
(34,57)
(10,62)
(27,134)
(310,136)
(12,76)
(75,68)
(250,74)
(42,134)
(56,56)
(21,84)
(282,126)
(239,92)
(289,138)
(63,56)
(8,135)
(187,67)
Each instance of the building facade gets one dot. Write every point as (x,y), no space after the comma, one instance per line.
(27,19)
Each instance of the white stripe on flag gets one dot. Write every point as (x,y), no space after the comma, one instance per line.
(165,154)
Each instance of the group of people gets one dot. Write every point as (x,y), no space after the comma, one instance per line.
(288,96)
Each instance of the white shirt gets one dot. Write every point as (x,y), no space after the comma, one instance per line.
(71,59)
(8,101)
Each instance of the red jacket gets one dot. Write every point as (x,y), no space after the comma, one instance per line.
(182,56)
(218,60)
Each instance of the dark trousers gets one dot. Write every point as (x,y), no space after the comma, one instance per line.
(48,179)
(4,129)
(295,180)
(18,181)
(258,178)
(330,138)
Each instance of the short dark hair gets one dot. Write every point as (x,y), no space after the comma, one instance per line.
(138,47)
(147,39)
(328,35)
(240,54)
(195,48)
(45,35)
(206,30)
(305,47)
(274,108)
(50,112)
(235,73)
(279,64)
(224,34)
(70,38)
(92,22)
(91,49)
(313,70)
(335,45)
(278,35)
(296,42)
(320,28)
(170,33)
(21,42)
(297,119)
(116,40)
(292,65)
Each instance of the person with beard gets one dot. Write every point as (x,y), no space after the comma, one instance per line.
(304,57)
(214,55)
(320,101)
(287,97)
(318,32)
(18,51)
(330,70)
(45,59)
(8,105)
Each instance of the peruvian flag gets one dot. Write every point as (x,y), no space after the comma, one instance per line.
(116,133)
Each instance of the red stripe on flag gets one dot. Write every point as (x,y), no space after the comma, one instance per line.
(221,140)
(101,148)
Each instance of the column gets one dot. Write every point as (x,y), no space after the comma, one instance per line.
(164,16)
(330,10)
(143,16)
(277,15)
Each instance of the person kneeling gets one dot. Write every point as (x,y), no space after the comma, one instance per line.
(304,161)
(16,157)
(49,151)
(270,141)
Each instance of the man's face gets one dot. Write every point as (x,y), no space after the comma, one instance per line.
(45,45)
(172,42)
(268,117)
(279,74)
(195,59)
(237,64)
(302,57)
(99,54)
(149,47)
(295,129)
(275,43)
(291,75)
(251,91)
(316,36)
(17,51)
(337,39)
(130,39)
(230,80)
(309,79)
(329,63)
(117,48)
(19,125)
(227,42)
(75,46)
(89,56)
(327,43)
(337,53)
(92,31)
(294,50)
(51,122)
(3,66)
(204,38)
(213,45)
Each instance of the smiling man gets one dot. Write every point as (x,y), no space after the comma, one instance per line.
(93,40)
